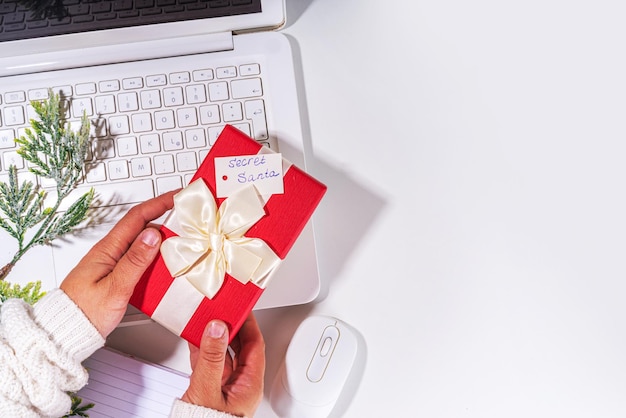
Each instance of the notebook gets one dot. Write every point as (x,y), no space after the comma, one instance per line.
(159,79)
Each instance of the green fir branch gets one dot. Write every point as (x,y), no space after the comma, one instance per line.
(30,293)
(56,152)
(62,224)
(78,410)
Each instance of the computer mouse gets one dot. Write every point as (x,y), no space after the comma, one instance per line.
(318,361)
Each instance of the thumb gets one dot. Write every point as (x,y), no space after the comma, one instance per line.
(137,259)
(205,386)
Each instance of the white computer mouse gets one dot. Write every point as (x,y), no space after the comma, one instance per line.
(317,364)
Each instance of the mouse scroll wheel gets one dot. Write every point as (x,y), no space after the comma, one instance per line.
(326,346)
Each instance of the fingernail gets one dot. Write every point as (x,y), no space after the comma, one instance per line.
(150,237)
(215,329)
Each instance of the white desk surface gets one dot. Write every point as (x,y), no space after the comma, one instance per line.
(474,229)
(475,226)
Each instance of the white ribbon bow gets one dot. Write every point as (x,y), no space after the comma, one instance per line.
(211,242)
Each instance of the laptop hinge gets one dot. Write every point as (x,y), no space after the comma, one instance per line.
(111,54)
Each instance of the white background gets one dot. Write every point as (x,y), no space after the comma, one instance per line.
(474,227)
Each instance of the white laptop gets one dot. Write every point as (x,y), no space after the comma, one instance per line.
(159,92)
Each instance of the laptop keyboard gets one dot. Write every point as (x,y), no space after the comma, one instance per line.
(18,21)
(149,131)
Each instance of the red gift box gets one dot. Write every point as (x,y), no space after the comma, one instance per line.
(286,215)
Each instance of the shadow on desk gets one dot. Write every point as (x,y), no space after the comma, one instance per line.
(347,210)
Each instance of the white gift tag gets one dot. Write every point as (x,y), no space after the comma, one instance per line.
(265,171)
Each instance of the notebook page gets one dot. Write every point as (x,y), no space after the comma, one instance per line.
(122,386)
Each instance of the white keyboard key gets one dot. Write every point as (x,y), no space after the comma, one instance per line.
(243,127)
(149,144)
(232,112)
(249,87)
(21,132)
(118,170)
(163,164)
(12,158)
(156,80)
(195,138)
(118,125)
(209,114)
(127,102)
(150,99)
(85,88)
(164,119)
(103,149)
(105,104)
(203,75)
(97,128)
(180,77)
(172,141)
(7,138)
(195,94)
(140,167)
(30,112)
(63,91)
(13,115)
(82,105)
(255,111)
(218,91)
(142,122)
(173,96)
(109,85)
(226,72)
(37,94)
(249,69)
(166,184)
(186,117)
(213,132)
(15,97)
(132,83)
(95,172)
(186,161)
(126,146)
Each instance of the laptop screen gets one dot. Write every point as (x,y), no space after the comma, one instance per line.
(35,19)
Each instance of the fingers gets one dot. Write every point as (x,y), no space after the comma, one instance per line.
(205,387)
(252,353)
(116,242)
(134,263)
(250,359)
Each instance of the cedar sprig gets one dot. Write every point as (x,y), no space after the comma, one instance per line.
(52,151)
(77,409)
(30,293)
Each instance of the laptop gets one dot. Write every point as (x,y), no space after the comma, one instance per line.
(159,79)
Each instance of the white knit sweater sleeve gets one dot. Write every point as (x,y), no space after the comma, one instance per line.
(181,409)
(41,351)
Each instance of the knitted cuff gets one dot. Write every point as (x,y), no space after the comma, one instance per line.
(182,409)
(67,325)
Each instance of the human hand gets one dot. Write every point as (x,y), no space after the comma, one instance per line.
(103,281)
(224,383)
